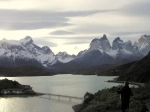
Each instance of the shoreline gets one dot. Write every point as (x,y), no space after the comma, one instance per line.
(23,95)
(77,107)
(25,76)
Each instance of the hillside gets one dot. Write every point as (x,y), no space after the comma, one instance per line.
(107,100)
(137,71)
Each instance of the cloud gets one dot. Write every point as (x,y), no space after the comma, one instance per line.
(77,42)
(5,0)
(36,19)
(73,37)
(30,16)
(83,13)
(76,47)
(138,8)
(129,33)
(61,32)
(30,25)
(42,42)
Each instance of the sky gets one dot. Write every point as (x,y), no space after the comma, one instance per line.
(70,25)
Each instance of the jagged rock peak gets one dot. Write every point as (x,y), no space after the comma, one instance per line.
(104,37)
(135,43)
(101,39)
(118,39)
(146,36)
(117,43)
(27,40)
(96,39)
(46,49)
(81,53)
(129,42)
(102,43)
(62,53)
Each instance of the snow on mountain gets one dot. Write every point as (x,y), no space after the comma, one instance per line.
(144,44)
(124,49)
(13,49)
(25,49)
(64,57)
(117,43)
(118,46)
(81,53)
(100,51)
(27,40)
(102,44)
(112,53)
(129,46)
(119,49)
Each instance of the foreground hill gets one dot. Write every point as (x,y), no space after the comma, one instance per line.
(107,100)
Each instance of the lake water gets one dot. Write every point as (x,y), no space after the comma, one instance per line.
(71,85)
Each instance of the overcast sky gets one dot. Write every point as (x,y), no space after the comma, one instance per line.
(70,25)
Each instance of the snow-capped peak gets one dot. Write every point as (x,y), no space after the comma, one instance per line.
(135,43)
(128,42)
(117,43)
(104,38)
(62,54)
(64,57)
(26,40)
(25,49)
(118,40)
(46,50)
(145,36)
(100,44)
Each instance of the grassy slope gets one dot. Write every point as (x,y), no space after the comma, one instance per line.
(107,100)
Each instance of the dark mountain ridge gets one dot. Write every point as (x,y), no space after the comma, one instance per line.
(137,71)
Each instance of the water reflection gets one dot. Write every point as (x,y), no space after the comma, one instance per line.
(70,85)
(34,104)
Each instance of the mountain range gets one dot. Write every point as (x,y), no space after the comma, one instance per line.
(25,52)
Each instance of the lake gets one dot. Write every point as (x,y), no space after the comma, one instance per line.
(71,85)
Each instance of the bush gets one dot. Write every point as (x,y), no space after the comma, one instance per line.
(108,99)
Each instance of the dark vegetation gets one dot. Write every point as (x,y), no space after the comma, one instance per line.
(6,84)
(107,100)
(9,85)
(25,71)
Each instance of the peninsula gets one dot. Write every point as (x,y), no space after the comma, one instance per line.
(9,87)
